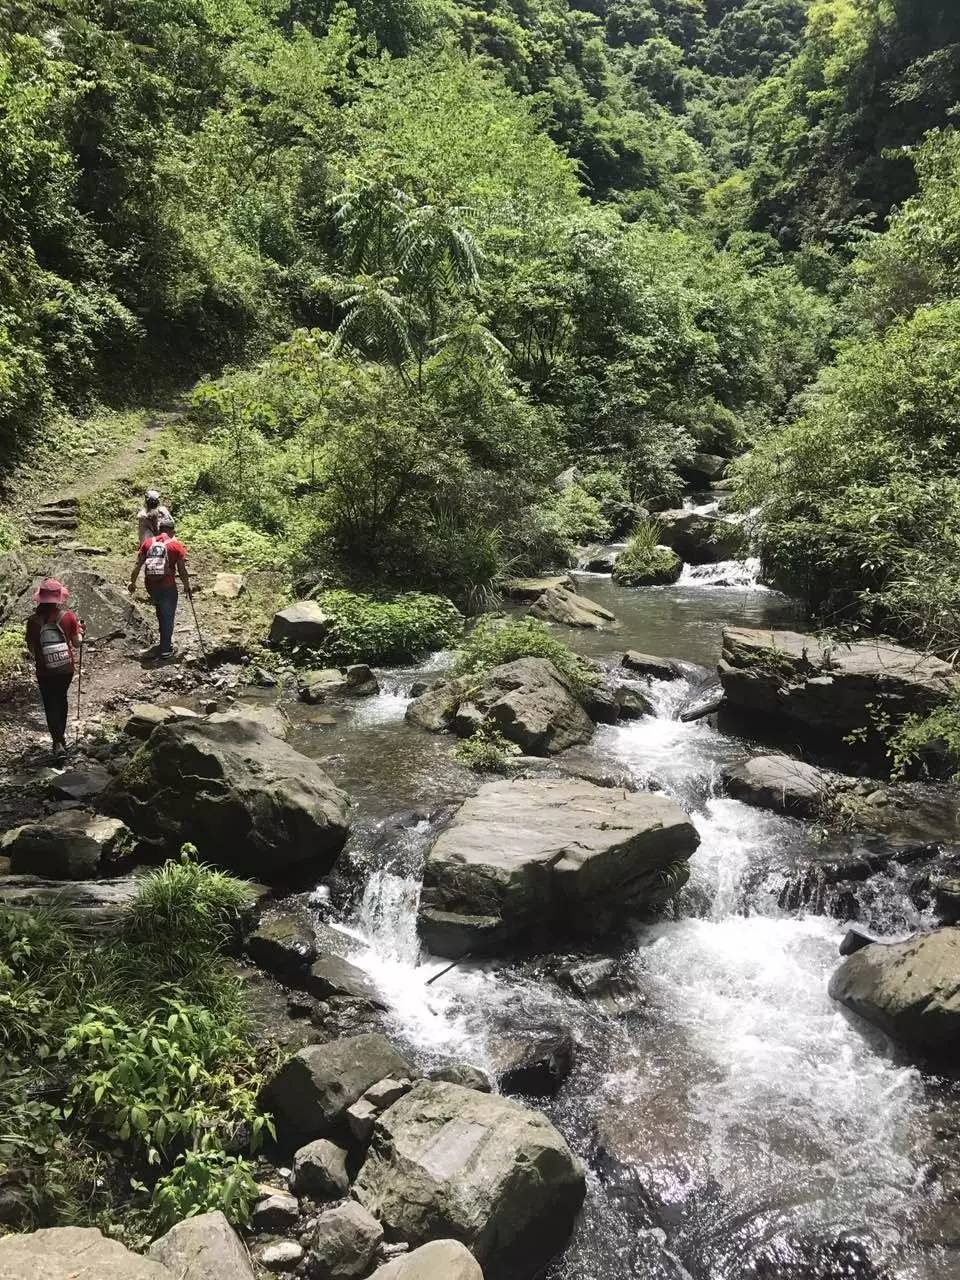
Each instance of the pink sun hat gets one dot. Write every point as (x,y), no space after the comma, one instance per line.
(50,591)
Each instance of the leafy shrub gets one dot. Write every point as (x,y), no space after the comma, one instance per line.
(486,750)
(246,547)
(388,629)
(201,1182)
(564,521)
(493,642)
(644,563)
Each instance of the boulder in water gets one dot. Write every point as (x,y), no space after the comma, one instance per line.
(205,1247)
(571,610)
(311,1092)
(700,539)
(334,975)
(284,943)
(527,590)
(600,559)
(303,624)
(645,664)
(245,798)
(826,685)
(704,468)
(463,1073)
(438,1260)
(528,701)
(910,990)
(449,1161)
(533,1061)
(70,845)
(59,1253)
(779,783)
(527,860)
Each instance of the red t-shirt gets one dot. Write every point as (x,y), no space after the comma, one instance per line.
(69,625)
(176,554)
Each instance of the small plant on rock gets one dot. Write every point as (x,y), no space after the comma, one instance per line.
(645,563)
(494,641)
(487,750)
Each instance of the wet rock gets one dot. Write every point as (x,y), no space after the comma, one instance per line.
(53,1254)
(570,610)
(910,990)
(80,784)
(464,1074)
(600,559)
(527,590)
(535,1062)
(267,715)
(593,978)
(317,686)
(704,468)
(632,703)
(144,718)
(602,706)
(536,858)
(311,1092)
(438,1260)
(644,664)
(272,1020)
(779,783)
(284,943)
(361,680)
(70,845)
(528,701)
(246,799)
(276,1210)
(904,812)
(229,586)
(700,539)
(332,975)
(92,907)
(855,939)
(280,1255)
(205,1247)
(451,1161)
(344,1242)
(302,624)
(825,685)
(946,897)
(320,1171)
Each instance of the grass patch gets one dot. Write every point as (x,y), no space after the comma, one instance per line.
(644,562)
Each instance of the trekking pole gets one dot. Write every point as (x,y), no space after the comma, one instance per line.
(196,621)
(79,686)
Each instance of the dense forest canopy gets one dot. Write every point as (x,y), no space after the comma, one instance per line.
(427,254)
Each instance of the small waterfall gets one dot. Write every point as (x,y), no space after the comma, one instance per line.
(387,916)
(738,575)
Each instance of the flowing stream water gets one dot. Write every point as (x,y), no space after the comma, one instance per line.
(734,1121)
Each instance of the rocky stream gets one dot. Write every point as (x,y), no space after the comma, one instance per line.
(733,1119)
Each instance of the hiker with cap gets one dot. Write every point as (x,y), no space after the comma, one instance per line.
(163,559)
(149,516)
(53,636)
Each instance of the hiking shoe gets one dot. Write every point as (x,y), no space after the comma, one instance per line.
(167,653)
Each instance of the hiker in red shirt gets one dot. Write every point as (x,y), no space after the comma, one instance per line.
(163,559)
(53,635)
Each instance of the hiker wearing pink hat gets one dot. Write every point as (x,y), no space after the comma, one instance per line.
(53,635)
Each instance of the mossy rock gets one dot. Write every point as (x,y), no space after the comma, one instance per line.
(657,568)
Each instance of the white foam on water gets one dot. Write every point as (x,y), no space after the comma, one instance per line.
(734,575)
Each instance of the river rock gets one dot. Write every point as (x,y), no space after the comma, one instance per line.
(663,572)
(570,610)
(80,784)
(279,1255)
(527,590)
(333,975)
(344,1242)
(704,468)
(438,1260)
(317,686)
(204,1247)
(302,624)
(530,859)
(825,685)
(284,943)
(76,1253)
(266,714)
(600,559)
(528,701)
(533,1062)
(246,799)
(449,1161)
(91,907)
(699,539)
(644,664)
(70,845)
(463,1073)
(910,990)
(632,703)
(779,783)
(275,1210)
(311,1092)
(320,1171)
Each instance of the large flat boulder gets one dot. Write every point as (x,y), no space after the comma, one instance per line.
(74,1253)
(449,1161)
(204,1247)
(526,590)
(311,1092)
(438,1260)
(92,907)
(528,701)
(571,609)
(247,800)
(700,539)
(911,990)
(826,685)
(780,783)
(70,845)
(107,612)
(539,857)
